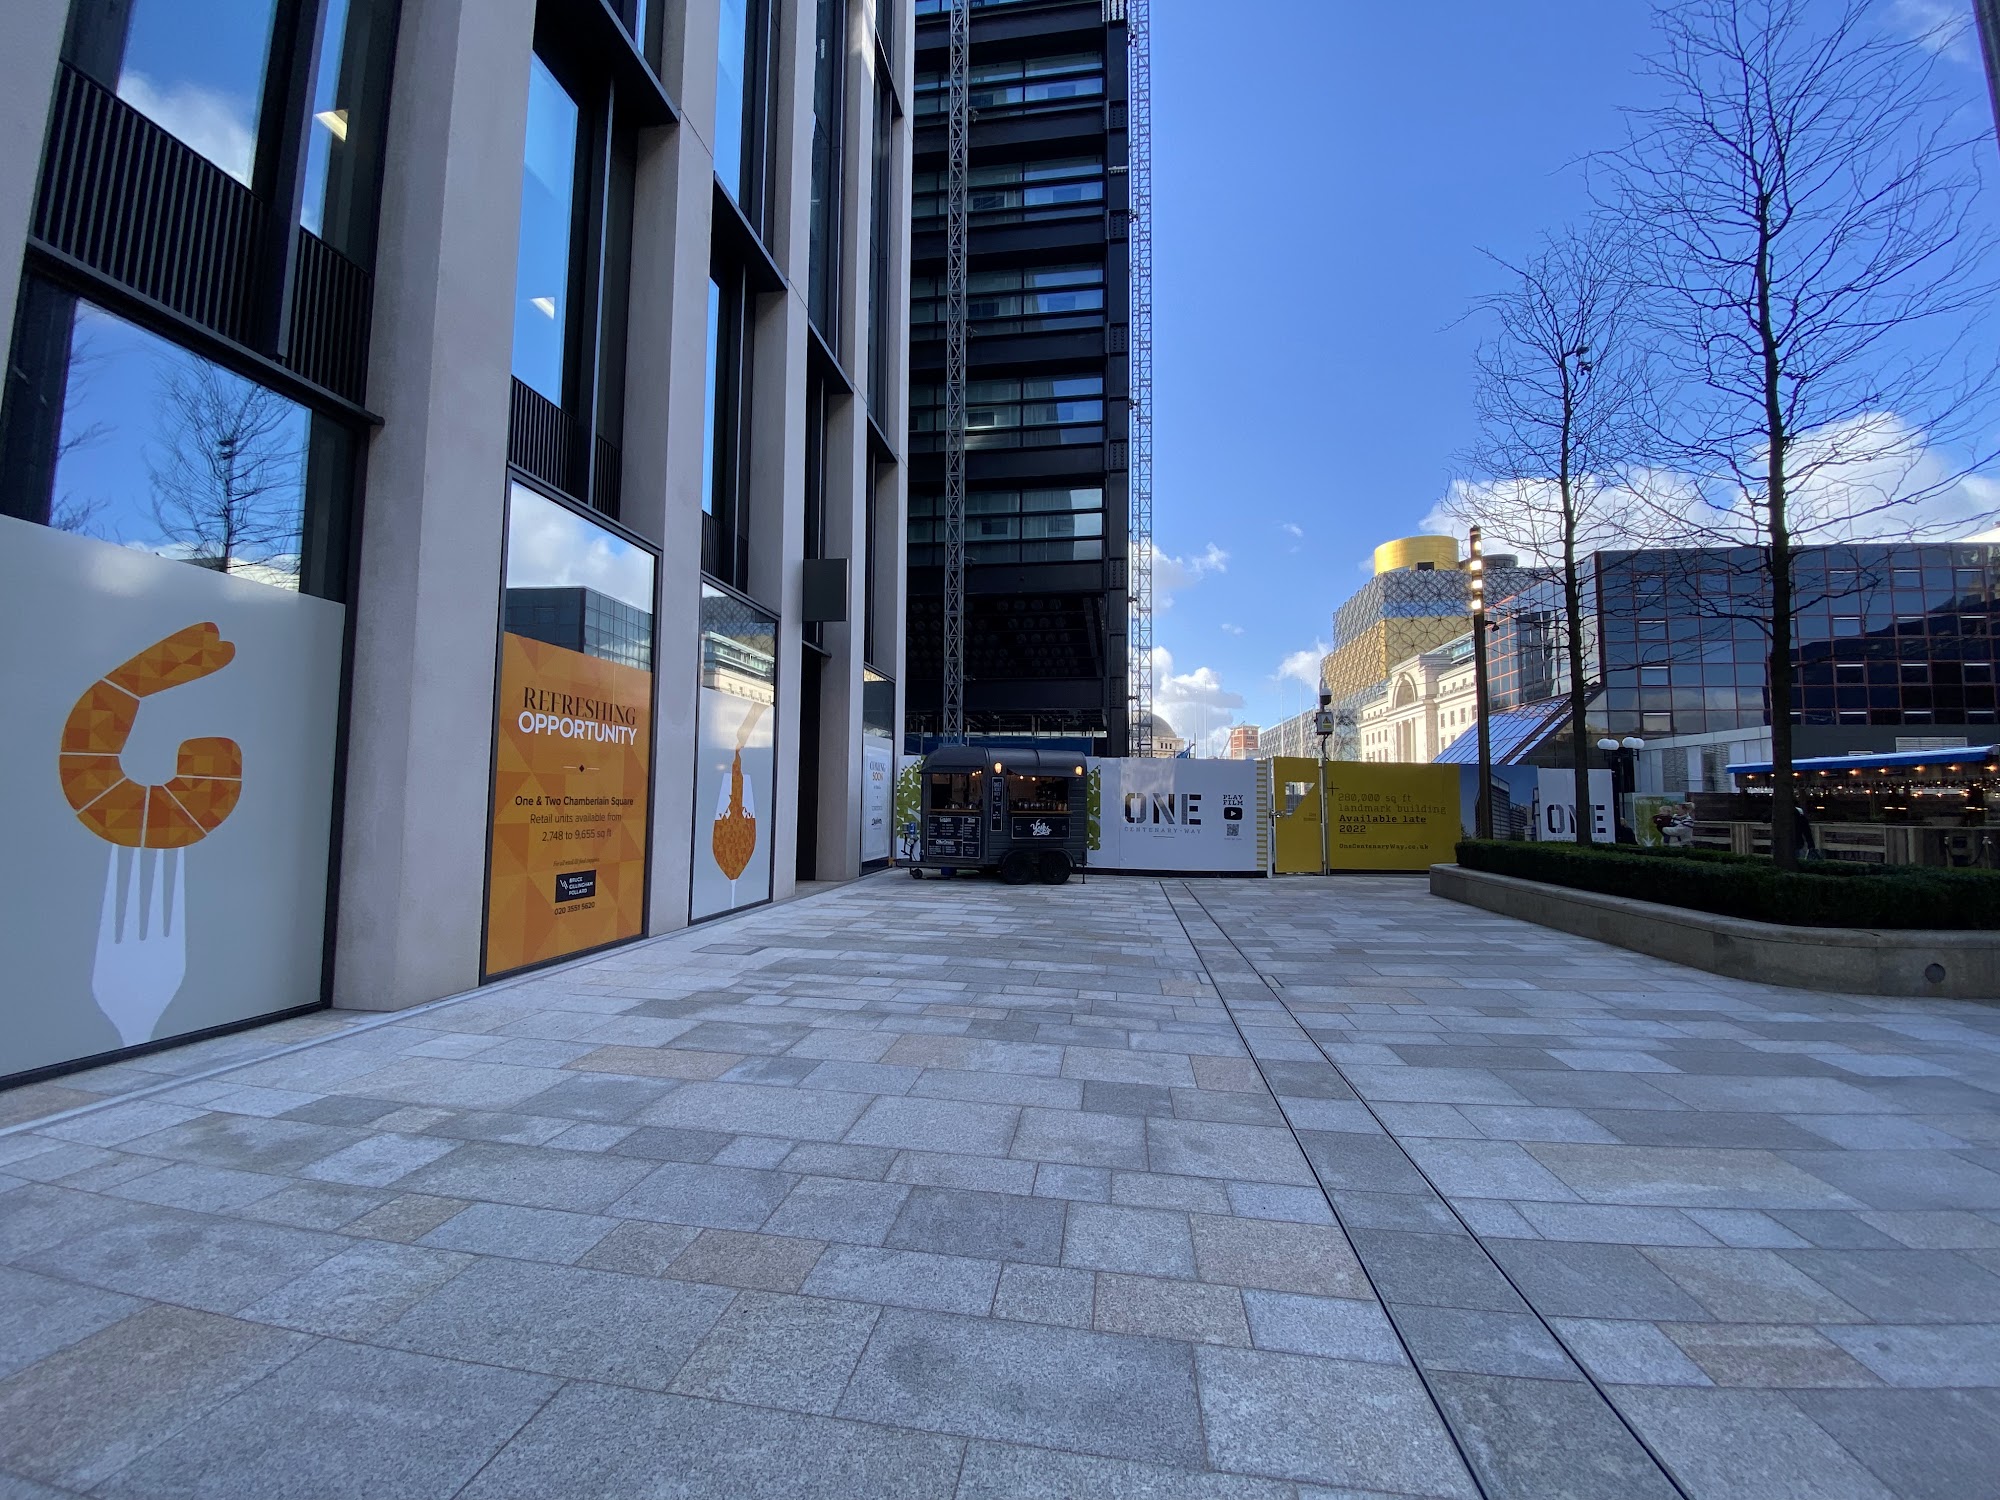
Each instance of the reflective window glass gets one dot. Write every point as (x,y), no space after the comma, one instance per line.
(193,67)
(541,276)
(732,94)
(349,106)
(709,392)
(163,451)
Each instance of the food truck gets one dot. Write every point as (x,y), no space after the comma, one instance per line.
(1024,814)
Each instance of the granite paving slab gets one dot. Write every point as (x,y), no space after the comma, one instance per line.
(1191,1190)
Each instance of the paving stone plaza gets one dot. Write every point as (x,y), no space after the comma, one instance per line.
(1252,1189)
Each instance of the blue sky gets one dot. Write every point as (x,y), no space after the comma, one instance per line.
(1326,176)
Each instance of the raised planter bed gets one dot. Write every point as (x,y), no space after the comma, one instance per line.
(1904,962)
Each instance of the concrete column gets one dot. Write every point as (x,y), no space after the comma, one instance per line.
(413,864)
(777,537)
(30,45)
(839,831)
(665,384)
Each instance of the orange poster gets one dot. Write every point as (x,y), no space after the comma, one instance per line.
(569,804)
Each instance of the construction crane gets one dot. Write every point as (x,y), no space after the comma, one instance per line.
(951,728)
(1139,50)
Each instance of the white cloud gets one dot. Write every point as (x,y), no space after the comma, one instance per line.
(1302,667)
(550,547)
(1871,479)
(1940,26)
(1292,529)
(212,123)
(1171,574)
(1196,703)
(1228,629)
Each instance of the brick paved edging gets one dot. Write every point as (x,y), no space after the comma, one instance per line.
(1912,965)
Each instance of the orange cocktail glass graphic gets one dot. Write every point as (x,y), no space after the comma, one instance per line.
(734,837)
(142,960)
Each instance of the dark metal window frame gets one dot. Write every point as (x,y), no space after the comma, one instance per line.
(725,523)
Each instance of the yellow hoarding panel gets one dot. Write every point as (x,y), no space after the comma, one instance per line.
(1391,817)
(1295,815)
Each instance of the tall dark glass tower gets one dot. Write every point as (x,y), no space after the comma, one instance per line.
(1047,443)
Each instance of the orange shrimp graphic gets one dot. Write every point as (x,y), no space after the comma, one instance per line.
(734,839)
(210,770)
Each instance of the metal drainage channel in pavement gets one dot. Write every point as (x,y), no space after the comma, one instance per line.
(1523,1437)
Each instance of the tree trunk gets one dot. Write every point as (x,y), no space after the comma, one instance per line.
(1579,694)
(1784,825)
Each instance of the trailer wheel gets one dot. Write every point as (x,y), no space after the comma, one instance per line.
(916,872)
(1018,868)
(1055,868)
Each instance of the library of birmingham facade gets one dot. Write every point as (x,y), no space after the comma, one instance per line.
(451,498)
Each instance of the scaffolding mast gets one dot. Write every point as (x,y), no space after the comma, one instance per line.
(951,725)
(1139,50)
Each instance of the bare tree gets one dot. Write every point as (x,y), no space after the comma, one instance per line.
(1561,395)
(1804,195)
(226,479)
(80,432)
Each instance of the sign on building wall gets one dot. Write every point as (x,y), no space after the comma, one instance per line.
(1185,815)
(573,740)
(569,805)
(1390,816)
(1555,809)
(735,756)
(878,771)
(168,748)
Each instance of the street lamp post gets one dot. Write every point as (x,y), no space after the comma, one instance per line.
(1475,565)
(1624,757)
(1323,724)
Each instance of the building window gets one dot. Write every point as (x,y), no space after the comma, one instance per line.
(829,116)
(742,73)
(1018,192)
(196,68)
(542,273)
(140,443)
(881,305)
(1036,299)
(1019,84)
(1014,526)
(1032,413)
(725,525)
(349,106)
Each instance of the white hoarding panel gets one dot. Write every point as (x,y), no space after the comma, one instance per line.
(1555,806)
(735,765)
(1184,815)
(168,744)
(878,771)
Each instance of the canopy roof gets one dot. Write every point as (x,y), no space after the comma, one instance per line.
(1514,733)
(1968,756)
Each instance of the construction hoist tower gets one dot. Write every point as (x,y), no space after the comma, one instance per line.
(1139,48)
(951,727)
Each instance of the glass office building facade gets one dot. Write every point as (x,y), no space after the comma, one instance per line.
(354,469)
(1048,302)
(1892,643)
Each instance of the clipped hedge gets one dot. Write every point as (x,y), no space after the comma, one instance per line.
(1832,893)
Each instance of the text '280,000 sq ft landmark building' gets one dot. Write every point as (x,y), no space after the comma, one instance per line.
(451,488)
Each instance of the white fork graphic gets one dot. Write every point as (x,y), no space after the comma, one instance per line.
(140,964)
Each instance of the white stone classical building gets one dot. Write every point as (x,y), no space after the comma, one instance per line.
(1429,702)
